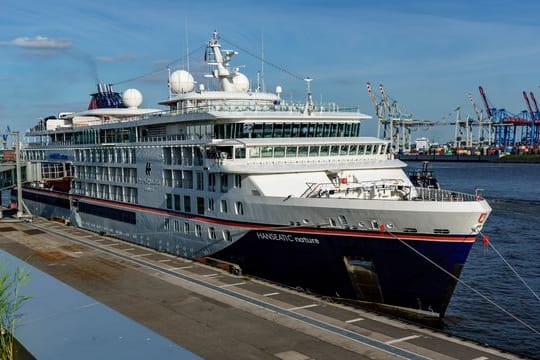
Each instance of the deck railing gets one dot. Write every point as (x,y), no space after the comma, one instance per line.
(384,190)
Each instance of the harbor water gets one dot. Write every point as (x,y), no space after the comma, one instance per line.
(513,191)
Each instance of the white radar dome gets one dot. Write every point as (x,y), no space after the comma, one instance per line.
(132,98)
(240,82)
(181,82)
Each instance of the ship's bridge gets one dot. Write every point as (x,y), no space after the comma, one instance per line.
(303,154)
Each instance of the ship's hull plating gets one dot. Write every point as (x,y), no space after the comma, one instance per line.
(368,266)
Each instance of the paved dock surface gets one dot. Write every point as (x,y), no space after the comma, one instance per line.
(217,315)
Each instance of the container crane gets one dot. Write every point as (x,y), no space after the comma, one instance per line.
(481,123)
(396,124)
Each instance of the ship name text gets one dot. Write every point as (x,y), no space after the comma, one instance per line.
(287,238)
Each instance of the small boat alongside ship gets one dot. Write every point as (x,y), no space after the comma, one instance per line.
(289,192)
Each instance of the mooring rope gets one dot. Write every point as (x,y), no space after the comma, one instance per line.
(522,322)
(513,269)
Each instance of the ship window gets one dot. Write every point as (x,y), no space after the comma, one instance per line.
(200,205)
(169,201)
(279,151)
(319,131)
(291,151)
(268,130)
(176,226)
(257,130)
(166,224)
(177,202)
(239,207)
(211,182)
(211,205)
(353,149)
(333,130)
(187,203)
(295,130)
(198,230)
(361,149)
(324,150)
(287,130)
(304,130)
(267,151)
(200,180)
(254,152)
(223,206)
(186,228)
(212,233)
(369,149)
(332,222)
(313,151)
(240,153)
(342,220)
(302,151)
(311,130)
(237,181)
(334,150)
(278,130)
(227,235)
(344,150)
(410,230)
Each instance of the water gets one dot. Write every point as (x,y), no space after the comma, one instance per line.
(513,191)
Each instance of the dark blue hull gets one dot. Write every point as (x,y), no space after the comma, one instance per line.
(371,268)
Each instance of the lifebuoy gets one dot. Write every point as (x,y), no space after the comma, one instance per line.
(482,218)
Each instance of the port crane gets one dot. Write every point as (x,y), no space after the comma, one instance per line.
(395,124)
(511,129)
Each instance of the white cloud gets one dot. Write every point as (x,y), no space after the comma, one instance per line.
(38,42)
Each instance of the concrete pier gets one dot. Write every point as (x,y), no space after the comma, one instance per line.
(216,315)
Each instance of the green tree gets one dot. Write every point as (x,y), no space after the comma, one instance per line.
(10,302)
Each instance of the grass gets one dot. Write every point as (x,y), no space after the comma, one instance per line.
(11,301)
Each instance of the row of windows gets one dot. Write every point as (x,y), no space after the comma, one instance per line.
(179,203)
(285,130)
(33,155)
(185,228)
(94,136)
(106,191)
(106,173)
(44,199)
(106,212)
(184,179)
(182,155)
(107,155)
(313,150)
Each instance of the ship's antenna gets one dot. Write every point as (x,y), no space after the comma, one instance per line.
(262,61)
(169,82)
(187,46)
(309,100)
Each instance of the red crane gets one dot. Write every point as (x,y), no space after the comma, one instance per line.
(484,98)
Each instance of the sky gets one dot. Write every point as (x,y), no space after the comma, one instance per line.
(428,54)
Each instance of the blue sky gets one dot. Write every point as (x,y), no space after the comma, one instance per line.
(428,54)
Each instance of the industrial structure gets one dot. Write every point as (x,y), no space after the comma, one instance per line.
(394,123)
(512,130)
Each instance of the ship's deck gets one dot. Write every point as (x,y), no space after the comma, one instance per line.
(215,314)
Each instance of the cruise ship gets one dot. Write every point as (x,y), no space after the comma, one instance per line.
(288,192)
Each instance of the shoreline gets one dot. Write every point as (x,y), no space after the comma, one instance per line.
(527,159)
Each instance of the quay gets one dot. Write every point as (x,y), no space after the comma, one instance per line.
(206,311)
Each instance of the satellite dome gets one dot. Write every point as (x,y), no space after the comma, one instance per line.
(240,82)
(181,82)
(132,98)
